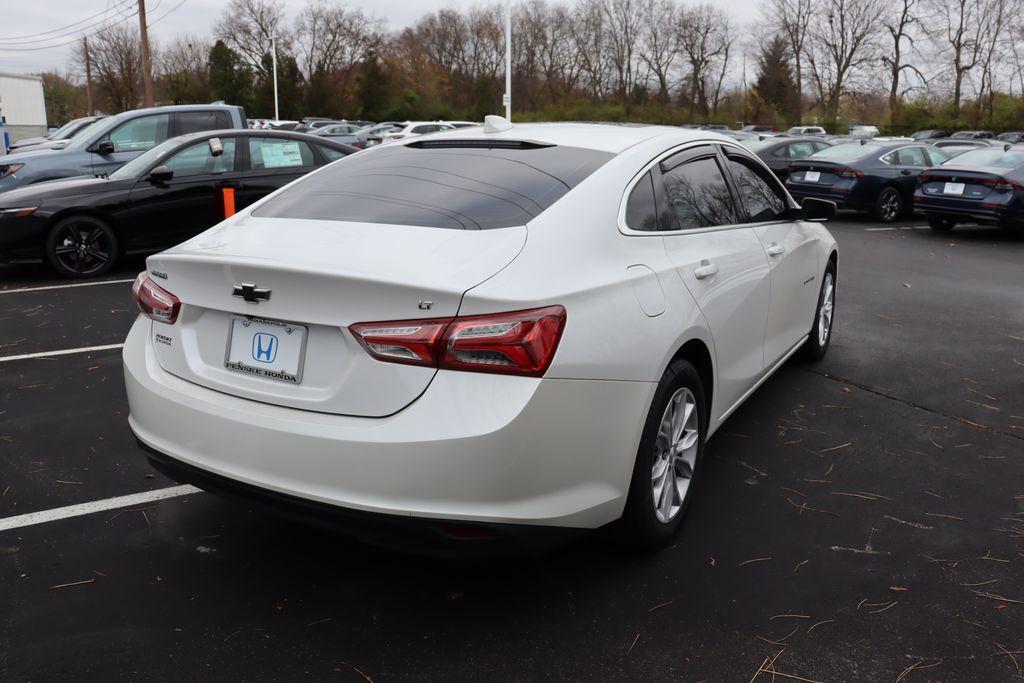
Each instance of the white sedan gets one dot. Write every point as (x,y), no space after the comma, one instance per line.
(481,334)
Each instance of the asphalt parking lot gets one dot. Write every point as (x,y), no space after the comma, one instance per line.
(859,519)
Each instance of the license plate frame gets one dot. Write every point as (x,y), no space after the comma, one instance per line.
(812,176)
(269,327)
(955,189)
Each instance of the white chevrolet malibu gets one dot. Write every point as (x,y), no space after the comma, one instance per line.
(509,332)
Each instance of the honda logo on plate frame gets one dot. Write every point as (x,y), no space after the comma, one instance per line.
(264,347)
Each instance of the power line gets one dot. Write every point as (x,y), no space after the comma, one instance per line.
(63,32)
(62,28)
(167,12)
(72,40)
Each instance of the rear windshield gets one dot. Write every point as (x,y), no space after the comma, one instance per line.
(846,152)
(755,145)
(456,187)
(990,158)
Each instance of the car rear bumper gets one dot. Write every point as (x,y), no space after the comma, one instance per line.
(970,211)
(489,449)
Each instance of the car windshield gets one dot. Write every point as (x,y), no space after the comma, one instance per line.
(1008,137)
(990,158)
(846,152)
(64,130)
(90,129)
(964,134)
(455,184)
(135,167)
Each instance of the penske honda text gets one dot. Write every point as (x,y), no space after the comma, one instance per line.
(506,332)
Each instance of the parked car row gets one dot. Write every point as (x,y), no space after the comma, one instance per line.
(142,181)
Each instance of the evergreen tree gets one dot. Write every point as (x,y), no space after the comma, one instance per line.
(372,89)
(775,84)
(230,79)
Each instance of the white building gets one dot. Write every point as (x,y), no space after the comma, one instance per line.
(22,105)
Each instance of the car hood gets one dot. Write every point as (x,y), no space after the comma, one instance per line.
(28,155)
(35,194)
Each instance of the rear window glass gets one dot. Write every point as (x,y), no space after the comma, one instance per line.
(848,152)
(461,188)
(995,158)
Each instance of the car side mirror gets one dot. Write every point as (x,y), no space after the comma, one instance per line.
(104,147)
(814,209)
(161,174)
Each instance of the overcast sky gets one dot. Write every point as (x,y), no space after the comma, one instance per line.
(22,20)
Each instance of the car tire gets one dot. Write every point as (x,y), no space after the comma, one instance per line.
(816,346)
(650,519)
(81,247)
(940,224)
(889,205)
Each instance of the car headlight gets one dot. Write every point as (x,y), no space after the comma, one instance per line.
(10,169)
(18,212)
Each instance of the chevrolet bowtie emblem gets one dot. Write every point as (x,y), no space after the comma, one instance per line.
(251,293)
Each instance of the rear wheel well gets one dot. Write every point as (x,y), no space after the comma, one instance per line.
(91,213)
(696,352)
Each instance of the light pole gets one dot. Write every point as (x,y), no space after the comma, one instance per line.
(507,99)
(273,60)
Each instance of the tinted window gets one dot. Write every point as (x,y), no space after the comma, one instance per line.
(698,194)
(198,160)
(197,121)
(799,150)
(273,153)
(996,158)
(912,156)
(140,133)
(850,151)
(762,199)
(641,209)
(439,186)
(332,154)
(423,130)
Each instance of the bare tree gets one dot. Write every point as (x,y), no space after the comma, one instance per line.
(184,69)
(623,19)
(247,26)
(958,28)
(841,42)
(706,40)
(116,67)
(792,18)
(588,32)
(900,25)
(332,37)
(992,51)
(660,43)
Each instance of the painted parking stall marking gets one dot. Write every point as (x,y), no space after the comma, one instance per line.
(68,511)
(62,352)
(23,290)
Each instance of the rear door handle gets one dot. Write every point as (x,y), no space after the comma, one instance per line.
(776,249)
(905,172)
(705,270)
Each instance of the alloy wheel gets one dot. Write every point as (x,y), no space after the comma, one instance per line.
(828,299)
(83,248)
(890,205)
(675,454)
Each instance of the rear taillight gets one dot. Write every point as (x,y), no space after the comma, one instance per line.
(1001,184)
(413,342)
(154,301)
(848,173)
(515,343)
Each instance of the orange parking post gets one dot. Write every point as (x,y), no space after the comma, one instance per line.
(229,201)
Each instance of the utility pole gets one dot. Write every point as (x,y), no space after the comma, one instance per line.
(147,67)
(88,76)
(273,60)
(508,60)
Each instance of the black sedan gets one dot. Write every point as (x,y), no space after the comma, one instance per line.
(983,185)
(876,177)
(172,192)
(780,152)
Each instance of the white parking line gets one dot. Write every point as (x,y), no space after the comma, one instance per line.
(76,284)
(95,506)
(62,352)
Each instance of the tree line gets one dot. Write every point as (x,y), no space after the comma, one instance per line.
(900,63)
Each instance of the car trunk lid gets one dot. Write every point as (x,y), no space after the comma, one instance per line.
(304,282)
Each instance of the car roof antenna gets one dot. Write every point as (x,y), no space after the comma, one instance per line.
(496,124)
